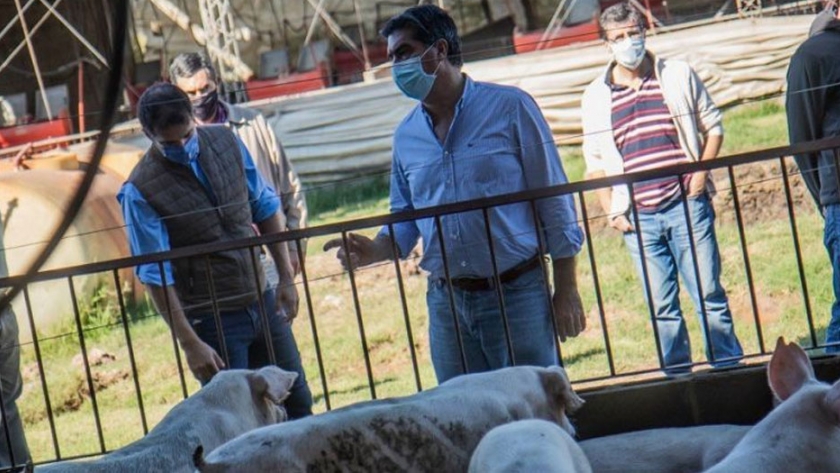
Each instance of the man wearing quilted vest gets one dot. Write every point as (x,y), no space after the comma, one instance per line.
(198,186)
(196,76)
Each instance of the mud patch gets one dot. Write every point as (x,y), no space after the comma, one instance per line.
(760,191)
(101,380)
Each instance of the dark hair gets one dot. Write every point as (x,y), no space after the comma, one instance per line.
(163,105)
(620,13)
(186,65)
(430,24)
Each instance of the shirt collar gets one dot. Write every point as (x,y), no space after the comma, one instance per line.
(232,115)
(468,92)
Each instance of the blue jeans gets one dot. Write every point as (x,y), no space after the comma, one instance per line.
(247,347)
(831,239)
(482,327)
(667,251)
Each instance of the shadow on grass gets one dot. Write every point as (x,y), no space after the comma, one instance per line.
(570,360)
(353,390)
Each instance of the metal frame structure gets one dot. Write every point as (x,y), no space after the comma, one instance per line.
(609,373)
(30,31)
(220,37)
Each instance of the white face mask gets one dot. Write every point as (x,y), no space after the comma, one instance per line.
(629,52)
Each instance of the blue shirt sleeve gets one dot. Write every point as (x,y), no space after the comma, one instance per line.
(264,200)
(146,234)
(543,168)
(406,234)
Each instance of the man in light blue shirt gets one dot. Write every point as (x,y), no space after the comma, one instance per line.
(468,140)
(199,186)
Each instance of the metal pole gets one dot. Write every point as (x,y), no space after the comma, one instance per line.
(362,34)
(33,58)
(332,25)
(20,45)
(315,19)
(75,33)
(81,79)
(11,22)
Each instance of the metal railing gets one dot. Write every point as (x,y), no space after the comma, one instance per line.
(390,367)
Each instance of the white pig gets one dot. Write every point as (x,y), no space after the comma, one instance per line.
(234,402)
(670,450)
(433,431)
(802,434)
(528,446)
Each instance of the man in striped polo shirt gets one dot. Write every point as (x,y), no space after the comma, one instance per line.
(645,113)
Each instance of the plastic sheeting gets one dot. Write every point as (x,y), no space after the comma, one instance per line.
(344,132)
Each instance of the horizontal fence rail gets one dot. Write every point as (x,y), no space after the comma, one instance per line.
(363,334)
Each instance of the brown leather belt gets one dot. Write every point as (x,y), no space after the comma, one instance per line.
(485,284)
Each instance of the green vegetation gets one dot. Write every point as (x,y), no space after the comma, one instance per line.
(778,294)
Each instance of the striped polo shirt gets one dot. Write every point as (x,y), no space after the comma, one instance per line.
(646,137)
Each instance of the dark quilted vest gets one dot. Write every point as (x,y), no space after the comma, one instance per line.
(191,218)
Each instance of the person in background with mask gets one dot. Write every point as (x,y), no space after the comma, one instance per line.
(195,186)
(642,113)
(813,113)
(195,75)
(468,140)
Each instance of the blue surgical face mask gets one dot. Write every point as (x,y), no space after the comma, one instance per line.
(411,79)
(629,52)
(182,153)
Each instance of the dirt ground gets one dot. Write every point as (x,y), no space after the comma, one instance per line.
(760,190)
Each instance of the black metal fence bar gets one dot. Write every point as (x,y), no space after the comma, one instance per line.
(130,347)
(359,320)
(544,267)
(458,335)
(800,266)
(86,363)
(637,225)
(41,373)
(497,284)
(692,245)
(599,299)
(269,342)
(217,316)
(176,350)
(313,326)
(404,305)
(745,254)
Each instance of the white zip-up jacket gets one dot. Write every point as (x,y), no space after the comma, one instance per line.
(694,113)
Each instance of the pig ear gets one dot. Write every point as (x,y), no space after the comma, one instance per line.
(832,401)
(561,387)
(271,383)
(789,369)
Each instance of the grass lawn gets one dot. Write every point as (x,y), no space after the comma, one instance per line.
(779,302)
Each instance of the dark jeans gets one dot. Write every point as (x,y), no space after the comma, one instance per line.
(831,239)
(247,347)
(10,389)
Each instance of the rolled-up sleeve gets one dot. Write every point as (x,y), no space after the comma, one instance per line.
(542,168)
(406,234)
(146,234)
(264,200)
